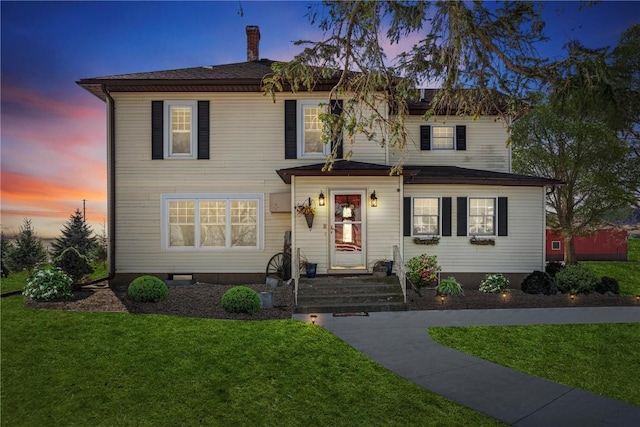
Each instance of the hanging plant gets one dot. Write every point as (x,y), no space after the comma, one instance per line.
(308,211)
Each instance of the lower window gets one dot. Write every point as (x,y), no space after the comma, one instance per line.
(482,216)
(212,221)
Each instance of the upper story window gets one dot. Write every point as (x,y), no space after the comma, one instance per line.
(426,216)
(482,216)
(310,130)
(212,221)
(180,130)
(442,138)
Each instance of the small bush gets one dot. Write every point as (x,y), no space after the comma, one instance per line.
(553,268)
(241,299)
(538,282)
(449,286)
(148,289)
(46,284)
(608,284)
(73,263)
(576,279)
(494,283)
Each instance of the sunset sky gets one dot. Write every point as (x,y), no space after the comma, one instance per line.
(53,133)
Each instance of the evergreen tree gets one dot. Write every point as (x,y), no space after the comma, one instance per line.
(28,251)
(75,234)
(5,247)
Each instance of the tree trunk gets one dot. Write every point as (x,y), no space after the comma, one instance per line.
(569,251)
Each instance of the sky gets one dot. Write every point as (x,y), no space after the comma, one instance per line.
(53,132)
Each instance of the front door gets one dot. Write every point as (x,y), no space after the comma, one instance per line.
(348,231)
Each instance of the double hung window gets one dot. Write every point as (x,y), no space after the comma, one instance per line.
(426,216)
(443,138)
(180,126)
(310,130)
(482,216)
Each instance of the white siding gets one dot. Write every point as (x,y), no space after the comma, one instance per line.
(519,252)
(486,145)
(382,222)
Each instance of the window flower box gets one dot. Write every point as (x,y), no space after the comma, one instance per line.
(483,241)
(426,240)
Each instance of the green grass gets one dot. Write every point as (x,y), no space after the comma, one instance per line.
(626,273)
(72,368)
(603,358)
(15,282)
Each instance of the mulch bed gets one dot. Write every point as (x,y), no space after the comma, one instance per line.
(203,301)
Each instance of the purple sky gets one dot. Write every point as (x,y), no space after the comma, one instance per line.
(53,132)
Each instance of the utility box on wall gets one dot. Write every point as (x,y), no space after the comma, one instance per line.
(279,202)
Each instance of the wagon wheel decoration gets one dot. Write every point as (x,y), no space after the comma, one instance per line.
(280,266)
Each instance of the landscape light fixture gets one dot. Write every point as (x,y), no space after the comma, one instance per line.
(321,199)
(374,199)
(313,318)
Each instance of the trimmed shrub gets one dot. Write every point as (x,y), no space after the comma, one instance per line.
(494,283)
(608,284)
(576,279)
(46,284)
(241,299)
(449,286)
(553,268)
(538,282)
(73,263)
(148,289)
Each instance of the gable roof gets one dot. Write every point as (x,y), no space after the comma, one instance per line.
(420,174)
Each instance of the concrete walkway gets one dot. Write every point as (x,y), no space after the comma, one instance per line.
(399,341)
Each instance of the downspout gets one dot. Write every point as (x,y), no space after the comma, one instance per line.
(111,184)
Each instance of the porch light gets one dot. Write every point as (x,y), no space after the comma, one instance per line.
(321,199)
(374,199)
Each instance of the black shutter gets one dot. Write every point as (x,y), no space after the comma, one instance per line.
(406,225)
(462,216)
(502,216)
(446,216)
(336,108)
(203,129)
(425,137)
(157,130)
(461,138)
(290,130)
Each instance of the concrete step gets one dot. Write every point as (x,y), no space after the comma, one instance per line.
(351,308)
(344,294)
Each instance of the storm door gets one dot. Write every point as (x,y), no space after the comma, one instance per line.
(348,231)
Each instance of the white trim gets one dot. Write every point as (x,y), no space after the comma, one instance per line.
(197,197)
(495,221)
(439,233)
(193,105)
(300,105)
(433,147)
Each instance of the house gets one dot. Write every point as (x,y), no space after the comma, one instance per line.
(603,245)
(205,174)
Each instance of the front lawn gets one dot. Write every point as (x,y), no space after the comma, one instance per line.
(626,273)
(600,358)
(15,282)
(73,368)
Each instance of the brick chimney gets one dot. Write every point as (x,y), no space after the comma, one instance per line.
(253,43)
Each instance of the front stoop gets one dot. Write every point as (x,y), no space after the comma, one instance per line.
(349,294)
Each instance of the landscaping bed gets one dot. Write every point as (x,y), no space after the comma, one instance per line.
(203,301)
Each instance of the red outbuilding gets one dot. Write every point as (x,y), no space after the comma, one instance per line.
(604,245)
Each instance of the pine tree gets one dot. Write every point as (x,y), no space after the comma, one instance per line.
(75,234)
(28,251)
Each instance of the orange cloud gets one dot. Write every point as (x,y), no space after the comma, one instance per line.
(33,100)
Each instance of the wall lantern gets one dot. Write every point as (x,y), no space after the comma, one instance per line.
(321,199)
(374,199)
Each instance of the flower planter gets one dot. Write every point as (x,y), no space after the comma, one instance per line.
(309,219)
(426,240)
(311,270)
